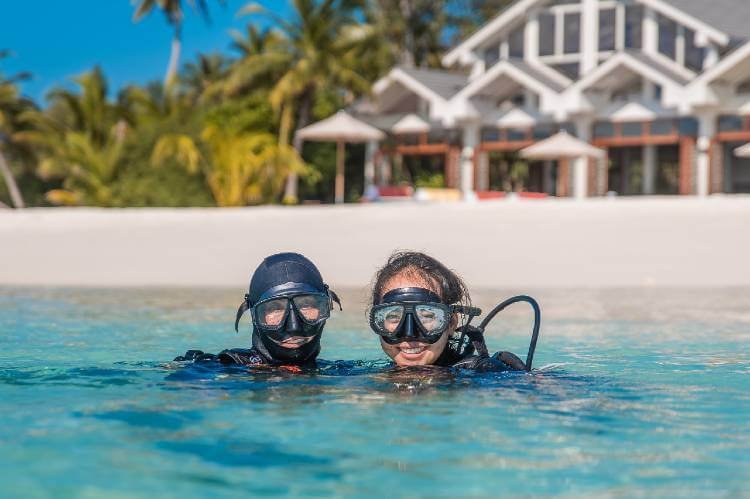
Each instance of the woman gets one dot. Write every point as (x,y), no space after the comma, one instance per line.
(417,306)
(289,304)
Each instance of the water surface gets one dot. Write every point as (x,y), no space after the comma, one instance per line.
(638,393)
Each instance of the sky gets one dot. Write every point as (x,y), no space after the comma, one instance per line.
(56,40)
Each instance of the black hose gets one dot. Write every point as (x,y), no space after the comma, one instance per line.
(537,322)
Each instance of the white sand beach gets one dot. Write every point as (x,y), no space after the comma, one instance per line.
(556,243)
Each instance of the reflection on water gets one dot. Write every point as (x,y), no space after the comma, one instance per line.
(631,397)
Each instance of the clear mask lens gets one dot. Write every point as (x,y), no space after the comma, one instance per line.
(310,308)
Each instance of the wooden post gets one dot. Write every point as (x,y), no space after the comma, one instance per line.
(562,177)
(687,154)
(339,189)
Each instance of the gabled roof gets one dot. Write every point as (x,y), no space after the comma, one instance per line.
(721,20)
(522,73)
(637,62)
(433,85)
(729,16)
(443,83)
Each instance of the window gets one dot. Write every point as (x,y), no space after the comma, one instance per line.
(667,37)
(607,30)
(491,56)
(515,43)
(571,70)
(572,31)
(693,55)
(633,26)
(546,34)
(743,87)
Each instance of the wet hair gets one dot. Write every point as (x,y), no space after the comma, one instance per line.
(446,283)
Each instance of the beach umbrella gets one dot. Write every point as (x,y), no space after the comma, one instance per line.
(561,146)
(743,151)
(340,128)
(411,123)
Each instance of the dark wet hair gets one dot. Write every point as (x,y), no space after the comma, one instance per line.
(446,283)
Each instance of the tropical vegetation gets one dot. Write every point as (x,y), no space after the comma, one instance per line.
(219,130)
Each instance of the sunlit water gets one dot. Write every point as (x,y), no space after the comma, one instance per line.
(643,396)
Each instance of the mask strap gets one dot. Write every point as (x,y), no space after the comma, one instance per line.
(334,296)
(244,306)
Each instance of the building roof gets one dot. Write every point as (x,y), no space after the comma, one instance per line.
(656,65)
(443,83)
(537,74)
(730,16)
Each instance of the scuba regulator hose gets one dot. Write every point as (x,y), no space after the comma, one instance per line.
(476,333)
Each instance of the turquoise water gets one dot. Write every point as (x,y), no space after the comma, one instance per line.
(628,401)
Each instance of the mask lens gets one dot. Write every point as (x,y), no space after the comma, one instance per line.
(433,319)
(312,308)
(271,313)
(387,318)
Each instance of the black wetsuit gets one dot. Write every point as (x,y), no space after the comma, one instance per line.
(501,361)
(229,357)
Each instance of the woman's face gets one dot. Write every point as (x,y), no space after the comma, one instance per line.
(414,353)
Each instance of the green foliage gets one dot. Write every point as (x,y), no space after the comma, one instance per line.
(218,132)
(430,180)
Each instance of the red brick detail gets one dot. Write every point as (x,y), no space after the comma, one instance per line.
(687,155)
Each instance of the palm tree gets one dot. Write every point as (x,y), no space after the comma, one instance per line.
(241,168)
(174,13)
(318,52)
(413,28)
(11,106)
(81,140)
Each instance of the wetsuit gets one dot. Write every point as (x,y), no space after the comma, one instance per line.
(229,357)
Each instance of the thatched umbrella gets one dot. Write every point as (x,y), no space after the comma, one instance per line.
(340,128)
(562,145)
(743,151)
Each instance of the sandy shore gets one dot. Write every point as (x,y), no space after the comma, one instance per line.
(600,243)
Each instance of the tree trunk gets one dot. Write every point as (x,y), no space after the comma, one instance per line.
(174,56)
(303,119)
(15,193)
(407,55)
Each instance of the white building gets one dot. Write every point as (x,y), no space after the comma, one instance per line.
(662,85)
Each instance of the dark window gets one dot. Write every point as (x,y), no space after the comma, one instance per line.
(744,87)
(667,37)
(491,56)
(543,131)
(658,91)
(571,70)
(607,29)
(515,43)
(604,129)
(730,123)
(662,127)
(631,129)
(546,34)
(693,55)
(516,135)
(633,26)
(572,39)
(490,134)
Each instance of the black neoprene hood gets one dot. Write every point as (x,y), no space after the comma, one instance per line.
(284,273)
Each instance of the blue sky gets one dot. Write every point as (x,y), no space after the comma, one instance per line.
(56,40)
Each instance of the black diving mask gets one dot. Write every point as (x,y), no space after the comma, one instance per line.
(414,314)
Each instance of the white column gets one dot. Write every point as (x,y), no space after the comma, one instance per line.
(712,56)
(370,149)
(649,169)
(589,35)
(680,45)
(531,37)
(581,165)
(470,141)
(706,131)
(650,40)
